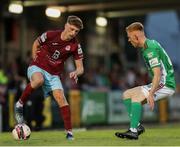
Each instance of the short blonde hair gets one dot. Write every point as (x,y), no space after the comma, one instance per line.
(76,21)
(136,26)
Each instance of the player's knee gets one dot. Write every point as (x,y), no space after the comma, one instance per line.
(61,100)
(37,83)
(135,99)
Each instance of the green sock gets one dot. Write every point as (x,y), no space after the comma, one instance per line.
(136,109)
(127,103)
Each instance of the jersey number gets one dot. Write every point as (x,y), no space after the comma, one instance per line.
(56,54)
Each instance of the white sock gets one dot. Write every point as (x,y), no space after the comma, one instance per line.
(70,132)
(18,104)
(133,130)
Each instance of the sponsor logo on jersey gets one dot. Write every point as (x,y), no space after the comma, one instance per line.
(153,62)
(43,37)
(79,49)
(54,43)
(67,48)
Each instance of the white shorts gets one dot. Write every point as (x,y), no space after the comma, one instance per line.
(161,93)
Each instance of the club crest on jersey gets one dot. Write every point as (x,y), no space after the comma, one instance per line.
(67,48)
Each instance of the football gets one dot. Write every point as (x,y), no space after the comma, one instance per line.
(21,132)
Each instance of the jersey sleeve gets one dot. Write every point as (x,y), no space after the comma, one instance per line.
(78,53)
(45,37)
(153,56)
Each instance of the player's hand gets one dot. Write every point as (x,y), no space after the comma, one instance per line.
(150,101)
(73,75)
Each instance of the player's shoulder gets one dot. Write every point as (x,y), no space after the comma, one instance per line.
(151,43)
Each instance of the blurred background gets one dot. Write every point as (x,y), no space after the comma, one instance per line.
(111,63)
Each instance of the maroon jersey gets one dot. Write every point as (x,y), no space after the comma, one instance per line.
(54,52)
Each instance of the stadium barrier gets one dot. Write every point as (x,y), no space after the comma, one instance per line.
(108,108)
(116,111)
(11,98)
(163,110)
(93,108)
(75,106)
(47,113)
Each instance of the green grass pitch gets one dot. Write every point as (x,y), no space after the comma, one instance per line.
(165,135)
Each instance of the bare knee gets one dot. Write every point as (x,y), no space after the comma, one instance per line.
(37,82)
(60,98)
(138,97)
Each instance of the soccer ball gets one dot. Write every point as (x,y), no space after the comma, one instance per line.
(21,132)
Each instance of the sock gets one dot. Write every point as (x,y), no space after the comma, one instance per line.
(18,104)
(66,115)
(25,95)
(127,103)
(133,129)
(69,132)
(136,109)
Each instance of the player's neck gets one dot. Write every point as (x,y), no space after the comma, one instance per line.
(143,43)
(63,36)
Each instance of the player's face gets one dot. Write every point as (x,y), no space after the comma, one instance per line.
(133,38)
(71,31)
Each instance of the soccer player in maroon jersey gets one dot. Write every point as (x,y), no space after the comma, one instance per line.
(49,52)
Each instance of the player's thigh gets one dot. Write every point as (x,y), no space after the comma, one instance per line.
(58,94)
(131,92)
(136,94)
(37,79)
(35,75)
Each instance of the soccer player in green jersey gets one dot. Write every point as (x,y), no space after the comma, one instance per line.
(163,83)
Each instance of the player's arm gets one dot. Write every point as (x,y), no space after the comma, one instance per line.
(156,79)
(155,84)
(79,67)
(40,41)
(79,70)
(35,48)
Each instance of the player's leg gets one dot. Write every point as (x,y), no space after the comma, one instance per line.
(36,80)
(53,83)
(132,96)
(138,96)
(64,111)
(132,99)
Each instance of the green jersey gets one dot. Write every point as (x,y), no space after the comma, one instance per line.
(154,55)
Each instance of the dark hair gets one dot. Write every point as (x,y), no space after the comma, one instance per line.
(136,26)
(74,20)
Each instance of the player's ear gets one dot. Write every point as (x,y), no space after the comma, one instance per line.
(66,25)
(136,36)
